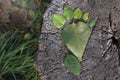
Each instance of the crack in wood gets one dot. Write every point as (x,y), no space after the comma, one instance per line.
(114,40)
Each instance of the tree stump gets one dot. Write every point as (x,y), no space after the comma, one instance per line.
(52,50)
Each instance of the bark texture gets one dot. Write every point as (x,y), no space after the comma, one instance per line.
(94,66)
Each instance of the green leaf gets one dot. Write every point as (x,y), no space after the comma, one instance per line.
(73,64)
(77,13)
(85,16)
(76,37)
(92,22)
(58,20)
(68,13)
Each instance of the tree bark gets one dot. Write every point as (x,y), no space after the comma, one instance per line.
(95,66)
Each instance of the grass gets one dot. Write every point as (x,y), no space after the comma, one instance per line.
(17,57)
(18,48)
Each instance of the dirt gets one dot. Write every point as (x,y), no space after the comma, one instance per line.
(18,12)
(95,66)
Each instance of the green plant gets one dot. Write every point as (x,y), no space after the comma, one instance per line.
(17,50)
(74,35)
(16,57)
(28,4)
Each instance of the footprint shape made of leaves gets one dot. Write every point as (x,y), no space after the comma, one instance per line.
(75,35)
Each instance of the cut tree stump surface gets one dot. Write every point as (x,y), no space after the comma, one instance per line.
(52,50)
